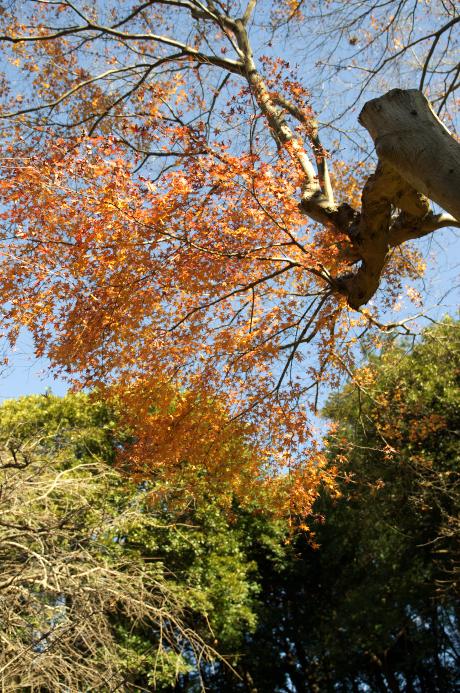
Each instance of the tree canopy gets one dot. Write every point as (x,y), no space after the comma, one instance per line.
(375,605)
(174,226)
(103,587)
(100,589)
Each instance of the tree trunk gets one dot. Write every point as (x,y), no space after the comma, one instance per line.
(409,137)
(419,161)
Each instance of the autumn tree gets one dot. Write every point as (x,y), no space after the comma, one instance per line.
(171,222)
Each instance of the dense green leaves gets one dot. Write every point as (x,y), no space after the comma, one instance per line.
(97,588)
(374,608)
(400,425)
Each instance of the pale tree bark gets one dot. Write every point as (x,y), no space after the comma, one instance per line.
(409,136)
(419,160)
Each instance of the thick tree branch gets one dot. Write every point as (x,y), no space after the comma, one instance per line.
(409,136)
(311,127)
(418,160)
(233,66)
(317,200)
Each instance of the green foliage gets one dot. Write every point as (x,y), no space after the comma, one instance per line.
(400,427)
(207,552)
(118,591)
(73,427)
(375,607)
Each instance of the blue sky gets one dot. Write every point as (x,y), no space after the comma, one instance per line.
(27,375)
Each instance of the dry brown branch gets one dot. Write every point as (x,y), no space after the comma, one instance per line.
(64,584)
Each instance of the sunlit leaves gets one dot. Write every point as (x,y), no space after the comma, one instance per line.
(152,239)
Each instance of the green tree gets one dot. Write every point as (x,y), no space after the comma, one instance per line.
(374,607)
(102,587)
(184,209)
(97,589)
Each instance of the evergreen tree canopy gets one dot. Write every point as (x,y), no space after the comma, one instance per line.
(374,608)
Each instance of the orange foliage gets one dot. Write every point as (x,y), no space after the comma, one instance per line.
(151,288)
(196,294)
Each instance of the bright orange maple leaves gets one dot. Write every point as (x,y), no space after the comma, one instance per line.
(194,292)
